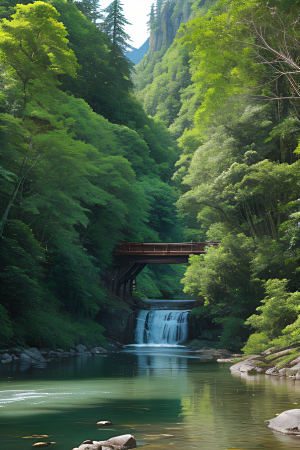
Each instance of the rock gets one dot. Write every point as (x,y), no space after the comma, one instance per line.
(34,354)
(7,358)
(43,351)
(272,371)
(81,348)
(282,353)
(103,423)
(59,350)
(119,325)
(66,354)
(287,422)
(245,366)
(282,372)
(123,441)
(94,446)
(87,442)
(72,351)
(119,442)
(293,370)
(268,352)
(225,359)
(25,359)
(98,350)
(295,361)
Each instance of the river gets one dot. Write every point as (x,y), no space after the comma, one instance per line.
(166,397)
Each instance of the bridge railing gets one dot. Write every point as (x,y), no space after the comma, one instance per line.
(164,248)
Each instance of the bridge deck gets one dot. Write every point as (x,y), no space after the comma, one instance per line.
(164,249)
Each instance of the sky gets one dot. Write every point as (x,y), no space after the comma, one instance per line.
(136,12)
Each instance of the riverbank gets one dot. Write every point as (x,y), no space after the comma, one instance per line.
(280,362)
(40,357)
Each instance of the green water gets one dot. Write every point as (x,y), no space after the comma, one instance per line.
(166,398)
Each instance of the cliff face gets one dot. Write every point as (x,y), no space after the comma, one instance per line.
(167,21)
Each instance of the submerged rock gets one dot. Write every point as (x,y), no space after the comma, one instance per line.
(287,422)
(103,423)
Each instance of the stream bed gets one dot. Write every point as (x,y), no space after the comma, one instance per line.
(166,397)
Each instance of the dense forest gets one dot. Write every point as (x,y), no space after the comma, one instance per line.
(199,141)
(227,88)
(82,168)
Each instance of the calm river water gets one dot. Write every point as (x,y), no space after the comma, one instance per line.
(166,397)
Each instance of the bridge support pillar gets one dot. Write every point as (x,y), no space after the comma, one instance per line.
(122,279)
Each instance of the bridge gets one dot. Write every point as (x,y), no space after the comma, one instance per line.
(132,257)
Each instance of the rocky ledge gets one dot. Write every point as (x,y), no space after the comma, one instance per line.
(279,362)
(39,357)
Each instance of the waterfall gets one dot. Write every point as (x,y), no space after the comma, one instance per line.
(161,327)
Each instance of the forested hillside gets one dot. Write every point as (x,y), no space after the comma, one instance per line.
(89,145)
(228,89)
(82,168)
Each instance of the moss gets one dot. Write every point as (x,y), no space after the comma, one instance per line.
(242,358)
(288,358)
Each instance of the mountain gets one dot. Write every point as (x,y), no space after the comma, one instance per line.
(137,54)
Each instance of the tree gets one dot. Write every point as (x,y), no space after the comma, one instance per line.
(151,22)
(114,24)
(90,8)
(33,50)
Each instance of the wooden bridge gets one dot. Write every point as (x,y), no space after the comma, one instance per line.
(132,257)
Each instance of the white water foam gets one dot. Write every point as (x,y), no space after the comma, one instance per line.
(161,327)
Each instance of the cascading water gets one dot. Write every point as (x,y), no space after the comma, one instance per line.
(161,327)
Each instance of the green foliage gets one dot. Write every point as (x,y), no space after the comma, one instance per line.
(279,309)
(74,184)
(257,343)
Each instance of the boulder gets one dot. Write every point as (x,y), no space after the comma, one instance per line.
(103,423)
(288,422)
(81,348)
(34,354)
(94,446)
(98,350)
(25,359)
(117,443)
(246,365)
(123,441)
(7,358)
(293,370)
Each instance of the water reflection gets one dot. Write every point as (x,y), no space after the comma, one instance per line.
(164,397)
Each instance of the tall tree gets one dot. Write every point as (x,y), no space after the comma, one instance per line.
(114,24)
(151,22)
